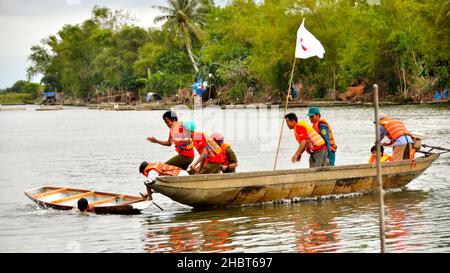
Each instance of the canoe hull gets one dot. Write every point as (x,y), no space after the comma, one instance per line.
(49,197)
(261,187)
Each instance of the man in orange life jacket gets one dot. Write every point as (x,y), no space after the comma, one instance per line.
(324,129)
(230,159)
(398,135)
(185,149)
(373,156)
(308,140)
(152,170)
(211,155)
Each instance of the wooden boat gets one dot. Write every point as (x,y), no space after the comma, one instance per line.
(99,202)
(266,186)
(49,108)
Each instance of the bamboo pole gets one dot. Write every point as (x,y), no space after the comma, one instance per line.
(285,110)
(379,176)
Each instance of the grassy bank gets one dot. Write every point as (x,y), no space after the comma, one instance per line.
(16,98)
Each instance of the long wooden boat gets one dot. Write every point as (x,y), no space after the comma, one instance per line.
(61,198)
(266,186)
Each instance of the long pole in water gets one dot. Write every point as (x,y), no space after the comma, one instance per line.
(379,177)
(285,110)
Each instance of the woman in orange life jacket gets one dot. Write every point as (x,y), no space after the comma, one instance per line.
(398,135)
(211,155)
(230,159)
(185,149)
(309,140)
(383,158)
(324,129)
(152,170)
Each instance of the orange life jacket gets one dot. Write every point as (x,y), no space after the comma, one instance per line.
(213,151)
(224,147)
(316,126)
(162,169)
(395,128)
(182,148)
(412,154)
(384,158)
(314,141)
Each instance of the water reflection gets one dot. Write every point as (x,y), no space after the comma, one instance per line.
(307,227)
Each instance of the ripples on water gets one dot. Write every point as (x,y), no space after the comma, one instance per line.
(102,151)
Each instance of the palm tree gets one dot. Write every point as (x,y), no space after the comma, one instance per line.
(186,17)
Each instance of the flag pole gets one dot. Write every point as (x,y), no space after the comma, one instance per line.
(285,110)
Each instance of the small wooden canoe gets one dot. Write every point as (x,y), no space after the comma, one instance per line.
(99,202)
(266,186)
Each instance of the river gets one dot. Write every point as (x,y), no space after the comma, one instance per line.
(102,150)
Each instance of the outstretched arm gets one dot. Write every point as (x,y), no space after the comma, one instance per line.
(152,139)
(298,154)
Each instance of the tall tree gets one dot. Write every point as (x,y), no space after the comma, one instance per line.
(185,17)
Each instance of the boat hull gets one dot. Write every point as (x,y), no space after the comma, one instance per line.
(267,186)
(61,198)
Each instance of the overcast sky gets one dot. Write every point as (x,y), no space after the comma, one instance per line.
(25,22)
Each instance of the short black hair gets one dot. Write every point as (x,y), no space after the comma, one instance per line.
(291,116)
(144,165)
(83,204)
(374,149)
(170,115)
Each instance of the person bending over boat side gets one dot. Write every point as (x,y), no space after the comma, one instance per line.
(152,170)
(211,155)
(230,159)
(399,136)
(324,129)
(185,149)
(373,156)
(308,140)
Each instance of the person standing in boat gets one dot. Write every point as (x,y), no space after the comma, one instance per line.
(211,155)
(230,159)
(324,129)
(154,169)
(185,149)
(308,140)
(399,136)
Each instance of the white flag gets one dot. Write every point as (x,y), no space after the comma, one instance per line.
(307,45)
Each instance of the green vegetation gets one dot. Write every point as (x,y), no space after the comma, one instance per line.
(403,45)
(21,92)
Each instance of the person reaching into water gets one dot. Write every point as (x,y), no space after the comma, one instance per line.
(230,160)
(153,169)
(211,155)
(185,149)
(383,158)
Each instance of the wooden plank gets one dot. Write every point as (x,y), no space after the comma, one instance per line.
(77,196)
(39,195)
(93,204)
(132,202)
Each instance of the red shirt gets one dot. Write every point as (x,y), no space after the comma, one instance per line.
(178,131)
(301,132)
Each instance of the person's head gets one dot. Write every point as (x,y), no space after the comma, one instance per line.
(83,204)
(169,118)
(373,150)
(142,167)
(189,126)
(314,114)
(291,120)
(218,138)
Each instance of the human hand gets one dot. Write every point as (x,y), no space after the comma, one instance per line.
(152,139)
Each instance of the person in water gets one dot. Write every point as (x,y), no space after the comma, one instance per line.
(83,205)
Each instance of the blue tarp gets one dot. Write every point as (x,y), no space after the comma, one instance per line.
(198,87)
(49,94)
